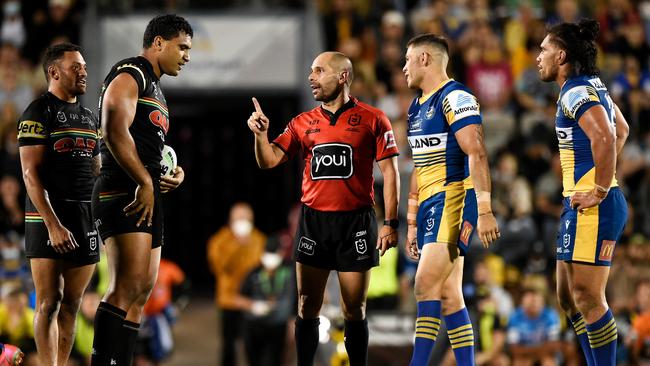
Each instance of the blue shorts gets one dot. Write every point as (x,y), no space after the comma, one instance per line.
(448,217)
(590,236)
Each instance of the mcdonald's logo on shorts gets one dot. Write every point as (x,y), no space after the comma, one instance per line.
(465,232)
(606,250)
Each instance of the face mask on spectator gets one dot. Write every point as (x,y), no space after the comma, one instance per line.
(11,253)
(271,261)
(11,8)
(241,227)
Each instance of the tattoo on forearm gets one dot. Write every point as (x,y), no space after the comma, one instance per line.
(479,134)
(96,165)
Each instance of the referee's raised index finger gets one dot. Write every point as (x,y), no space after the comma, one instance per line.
(257,105)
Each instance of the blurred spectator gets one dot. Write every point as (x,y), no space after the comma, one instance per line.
(363,69)
(489,328)
(512,204)
(232,253)
(519,31)
(614,17)
(630,90)
(383,290)
(17,321)
(11,205)
(565,11)
(534,96)
(392,103)
(533,331)
(287,235)
(12,90)
(548,203)
(484,285)
(14,271)
(155,341)
(341,23)
(393,28)
(84,333)
(641,325)
(390,61)
(490,78)
(13,29)
(11,60)
(268,299)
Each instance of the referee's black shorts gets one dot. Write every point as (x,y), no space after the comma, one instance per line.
(110,195)
(340,241)
(74,216)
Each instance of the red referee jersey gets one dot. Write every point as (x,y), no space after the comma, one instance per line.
(339,151)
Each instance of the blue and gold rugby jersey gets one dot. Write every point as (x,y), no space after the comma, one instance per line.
(433,120)
(578,94)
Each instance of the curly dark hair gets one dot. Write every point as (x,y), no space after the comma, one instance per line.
(167,26)
(55,52)
(578,41)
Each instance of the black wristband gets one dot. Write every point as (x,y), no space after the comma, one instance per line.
(394,223)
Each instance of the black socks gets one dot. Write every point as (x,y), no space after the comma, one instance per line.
(130,338)
(108,336)
(356,341)
(306,340)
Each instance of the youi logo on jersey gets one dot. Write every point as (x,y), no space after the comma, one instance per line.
(331,161)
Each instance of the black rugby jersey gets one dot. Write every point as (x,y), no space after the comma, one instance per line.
(151,120)
(70,133)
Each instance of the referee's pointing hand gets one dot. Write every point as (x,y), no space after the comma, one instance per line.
(257,122)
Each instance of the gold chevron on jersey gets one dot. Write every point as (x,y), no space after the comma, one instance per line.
(577,96)
(427,159)
(132,66)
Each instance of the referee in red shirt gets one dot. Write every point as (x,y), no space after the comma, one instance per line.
(339,141)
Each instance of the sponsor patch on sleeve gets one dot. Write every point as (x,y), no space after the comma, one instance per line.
(459,104)
(31,129)
(389,138)
(576,97)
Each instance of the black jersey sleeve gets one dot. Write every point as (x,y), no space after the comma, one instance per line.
(95,123)
(33,125)
(136,71)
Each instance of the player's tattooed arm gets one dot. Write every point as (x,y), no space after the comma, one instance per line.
(96,165)
(471,140)
(480,137)
(622,130)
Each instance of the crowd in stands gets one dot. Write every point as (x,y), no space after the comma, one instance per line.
(509,288)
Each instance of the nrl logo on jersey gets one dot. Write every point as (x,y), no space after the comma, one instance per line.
(430,112)
(61,117)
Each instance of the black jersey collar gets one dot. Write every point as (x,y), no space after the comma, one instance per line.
(51,95)
(149,67)
(335,116)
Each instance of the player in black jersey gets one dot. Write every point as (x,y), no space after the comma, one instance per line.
(59,157)
(126,199)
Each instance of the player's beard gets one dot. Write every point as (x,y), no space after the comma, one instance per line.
(76,89)
(328,97)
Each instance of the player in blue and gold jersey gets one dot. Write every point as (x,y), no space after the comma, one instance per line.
(446,137)
(591,132)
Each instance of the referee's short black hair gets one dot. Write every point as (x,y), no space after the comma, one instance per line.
(55,52)
(436,41)
(167,26)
